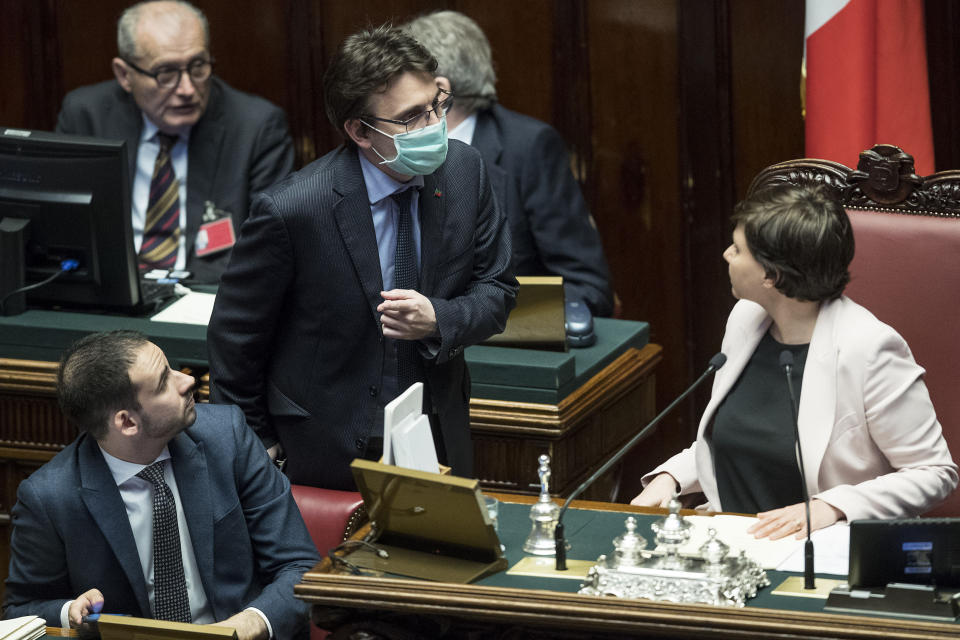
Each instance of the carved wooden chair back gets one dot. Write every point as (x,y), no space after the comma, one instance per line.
(906,268)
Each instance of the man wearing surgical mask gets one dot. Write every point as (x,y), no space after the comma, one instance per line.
(370,269)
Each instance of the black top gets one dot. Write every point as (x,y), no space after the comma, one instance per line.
(753,436)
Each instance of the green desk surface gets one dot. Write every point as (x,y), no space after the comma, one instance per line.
(527,375)
(497,373)
(591,534)
(43,335)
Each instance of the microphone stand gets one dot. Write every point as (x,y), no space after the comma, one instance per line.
(716,362)
(786,361)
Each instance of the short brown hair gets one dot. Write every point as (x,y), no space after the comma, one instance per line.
(365,64)
(802,238)
(94,379)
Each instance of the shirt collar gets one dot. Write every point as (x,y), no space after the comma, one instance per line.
(465,130)
(379,184)
(149,132)
(121,470)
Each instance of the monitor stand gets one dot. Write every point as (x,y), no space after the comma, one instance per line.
(13,234)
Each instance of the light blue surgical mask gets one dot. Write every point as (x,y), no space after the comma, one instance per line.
(419,152)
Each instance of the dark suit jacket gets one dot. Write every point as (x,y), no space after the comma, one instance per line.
(239,147)
(295,340)
(71,532)
(551,228)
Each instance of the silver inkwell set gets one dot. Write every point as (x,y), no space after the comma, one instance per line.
(710,576)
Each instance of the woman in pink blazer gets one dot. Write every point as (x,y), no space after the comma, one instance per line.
(870,440)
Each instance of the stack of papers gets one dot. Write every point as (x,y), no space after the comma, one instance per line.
(831,546)
(733,531)
(407,438)
(25,628)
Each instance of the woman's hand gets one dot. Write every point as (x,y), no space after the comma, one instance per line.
(779,523)
(658,493)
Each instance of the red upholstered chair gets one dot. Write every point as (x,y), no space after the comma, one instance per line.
(331,517)
(906,269)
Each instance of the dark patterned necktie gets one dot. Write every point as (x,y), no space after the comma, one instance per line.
(170,599)
(405,276)
(161,232)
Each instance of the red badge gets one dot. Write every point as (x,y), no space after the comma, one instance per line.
(215,236)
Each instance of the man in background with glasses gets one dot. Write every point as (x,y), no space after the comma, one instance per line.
(199,149)
(368,270)
(552,229)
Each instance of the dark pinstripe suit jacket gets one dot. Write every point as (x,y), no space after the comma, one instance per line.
(295,340)
(239,147)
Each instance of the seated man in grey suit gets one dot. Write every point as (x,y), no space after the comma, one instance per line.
(198,149)
(367,270)
(553,232)
(159,509)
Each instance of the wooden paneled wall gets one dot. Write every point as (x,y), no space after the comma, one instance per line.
(669,107)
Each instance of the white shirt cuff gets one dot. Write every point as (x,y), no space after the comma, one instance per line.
(265,621)
(64,615)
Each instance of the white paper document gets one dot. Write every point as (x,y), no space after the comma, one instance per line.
(407,438)
(413,446)
(193,308)
(24,628)
(831,546)
(733,531)
(831,551)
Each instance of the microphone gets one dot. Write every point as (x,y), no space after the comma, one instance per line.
(786,362)
(716,362)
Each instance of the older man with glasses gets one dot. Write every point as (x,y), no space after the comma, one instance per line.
(552,229)
(199,149)
(368,270)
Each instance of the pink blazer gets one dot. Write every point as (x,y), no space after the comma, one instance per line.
(872,445)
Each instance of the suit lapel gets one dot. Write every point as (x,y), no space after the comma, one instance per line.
(818,398)
(193,485)
(741,347)
(749,337)
(486,139)
(131,124)
(355,222)
(99,493)
(203,158)
(432,212)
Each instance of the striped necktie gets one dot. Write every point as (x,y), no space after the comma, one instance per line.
(170,599)
(161,233)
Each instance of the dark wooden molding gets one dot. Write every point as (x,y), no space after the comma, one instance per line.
(579,433)
(311,135)
(572,88)
(553,614)
(942,18)
(884,180)
(706,178)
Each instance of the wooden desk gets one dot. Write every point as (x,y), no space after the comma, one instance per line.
(391,605)
(578,432)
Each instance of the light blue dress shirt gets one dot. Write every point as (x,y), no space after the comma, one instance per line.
(385,211)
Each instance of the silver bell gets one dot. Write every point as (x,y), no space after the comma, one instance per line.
(544,514)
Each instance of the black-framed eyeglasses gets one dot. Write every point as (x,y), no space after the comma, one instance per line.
(169,77)
(441,105)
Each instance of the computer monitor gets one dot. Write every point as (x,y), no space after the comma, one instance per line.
(75,193)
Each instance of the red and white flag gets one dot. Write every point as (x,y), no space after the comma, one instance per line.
(866,63)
